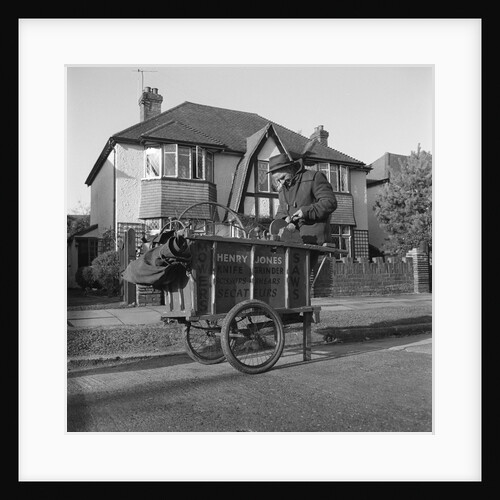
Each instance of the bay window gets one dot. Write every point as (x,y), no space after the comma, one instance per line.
(341,236)
(343,179)
(337,175)
(169,160)
(153,162)
(183,162)
(178,161)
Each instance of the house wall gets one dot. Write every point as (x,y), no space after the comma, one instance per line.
(101,196)
(379,169)
(224,169)
(129,172)
(268,149)
(358,190)
(377,235)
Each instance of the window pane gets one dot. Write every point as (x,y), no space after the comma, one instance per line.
(346,230)
(264,207)
(169,165)
(325,168)
(249,205)
(335,229)
(343,179)
(152,162)
(209,166)
(334,172)
(198,157)
(184,163)
(263,179)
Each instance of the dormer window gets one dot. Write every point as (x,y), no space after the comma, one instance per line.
(178,161)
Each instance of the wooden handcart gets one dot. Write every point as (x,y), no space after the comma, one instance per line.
(237,297)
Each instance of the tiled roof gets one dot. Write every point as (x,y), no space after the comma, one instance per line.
(218,127)
(83,231)
(180,132)
(344,213)
(224,127)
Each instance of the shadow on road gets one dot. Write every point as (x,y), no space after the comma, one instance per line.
(150,363)
(380,324)
(292,356)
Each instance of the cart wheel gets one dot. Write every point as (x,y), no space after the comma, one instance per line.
(202,342)
(252,337)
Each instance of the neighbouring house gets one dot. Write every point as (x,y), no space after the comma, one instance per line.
(82,249)
(154,170)
(380,174)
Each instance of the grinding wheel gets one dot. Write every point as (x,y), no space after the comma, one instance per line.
(276,225)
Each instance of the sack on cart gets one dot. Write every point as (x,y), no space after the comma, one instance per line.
(165,263)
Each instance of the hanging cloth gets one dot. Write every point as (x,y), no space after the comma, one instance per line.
(165,263)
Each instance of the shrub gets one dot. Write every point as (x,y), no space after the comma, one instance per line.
(106,268)
(85,278)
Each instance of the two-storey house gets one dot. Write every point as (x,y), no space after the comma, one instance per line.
(154,170)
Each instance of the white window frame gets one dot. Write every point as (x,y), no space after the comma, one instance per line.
(343,168)
(190,156)
(343,235)
(175,154)
(328,169)
(197,153)
(208,166)
(146,174)
(199,157)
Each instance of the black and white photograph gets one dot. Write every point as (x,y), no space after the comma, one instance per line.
(251,251)
(228,226)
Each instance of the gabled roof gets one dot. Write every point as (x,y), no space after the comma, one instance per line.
(240,175)
(220,128)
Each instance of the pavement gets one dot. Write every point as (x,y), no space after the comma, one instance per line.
(150,315)
(143,315)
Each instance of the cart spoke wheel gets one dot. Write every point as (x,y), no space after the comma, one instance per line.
(252,336)
(202,342)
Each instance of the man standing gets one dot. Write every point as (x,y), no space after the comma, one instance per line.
(306,199)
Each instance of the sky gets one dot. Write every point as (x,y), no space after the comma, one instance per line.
(367,110)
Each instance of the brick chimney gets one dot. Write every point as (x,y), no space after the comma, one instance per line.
(320,135)
(150,103)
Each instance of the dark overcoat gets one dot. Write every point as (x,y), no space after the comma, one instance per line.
(309,191)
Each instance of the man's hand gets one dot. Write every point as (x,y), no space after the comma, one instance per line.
(297,215)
